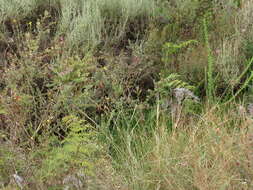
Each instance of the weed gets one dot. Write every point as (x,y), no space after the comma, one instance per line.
(210,72)
(75,151)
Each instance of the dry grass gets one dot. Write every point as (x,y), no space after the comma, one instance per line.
(230,59)
(209,153)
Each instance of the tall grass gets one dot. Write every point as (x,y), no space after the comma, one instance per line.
(231,58)
(208,153)
(17,8)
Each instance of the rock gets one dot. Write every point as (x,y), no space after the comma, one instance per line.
(183,93)
(19,180)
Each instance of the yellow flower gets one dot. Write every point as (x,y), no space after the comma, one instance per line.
(30,24)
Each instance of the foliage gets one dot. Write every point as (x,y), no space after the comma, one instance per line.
(210,77)
(106,88)
(165,86)
(76,151)
(200,154)
(171,49)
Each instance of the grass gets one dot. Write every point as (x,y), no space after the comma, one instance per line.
(209,152)
(97,18)
(108,94)
(85,24)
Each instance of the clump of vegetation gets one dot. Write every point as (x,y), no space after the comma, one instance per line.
(126,94)
(207,153)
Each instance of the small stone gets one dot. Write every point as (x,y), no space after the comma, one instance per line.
(19,180)
(183,93)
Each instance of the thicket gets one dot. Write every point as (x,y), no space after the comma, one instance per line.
(126,94)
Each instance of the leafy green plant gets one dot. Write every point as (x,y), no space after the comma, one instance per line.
(75,152)
(210,70)
(165,86)
(171,49)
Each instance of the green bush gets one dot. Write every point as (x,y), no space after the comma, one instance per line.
(77,151)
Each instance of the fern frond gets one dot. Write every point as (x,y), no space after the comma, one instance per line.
(166,85)
(171,48)
(76,149)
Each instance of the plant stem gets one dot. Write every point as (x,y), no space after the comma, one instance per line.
(210,81)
